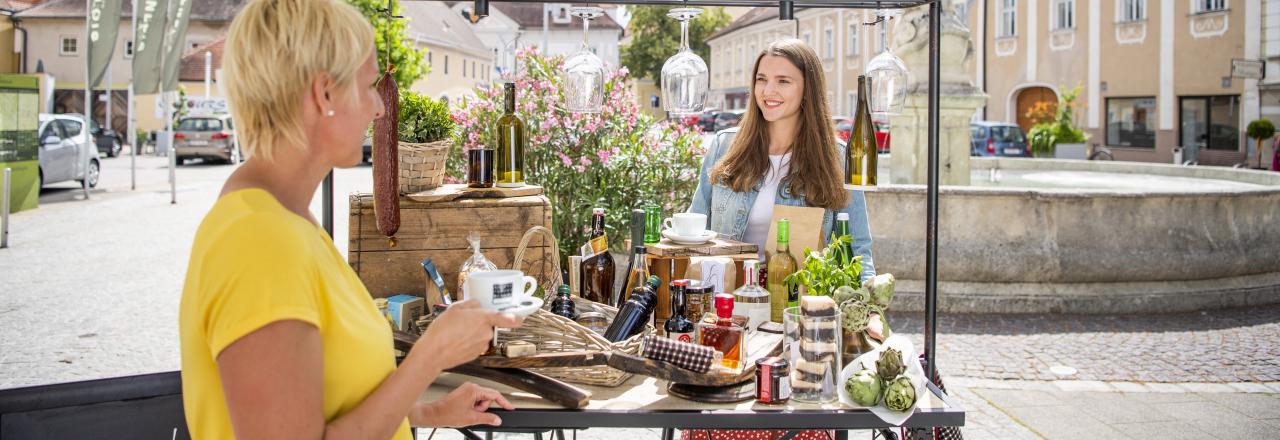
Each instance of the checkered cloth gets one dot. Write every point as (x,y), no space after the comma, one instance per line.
(693,357)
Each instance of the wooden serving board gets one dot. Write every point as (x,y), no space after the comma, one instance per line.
(714,248)
(453,191)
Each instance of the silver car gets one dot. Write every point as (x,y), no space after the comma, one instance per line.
(208,138)
(67,151)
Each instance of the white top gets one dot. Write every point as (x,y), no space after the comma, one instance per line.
(761,214)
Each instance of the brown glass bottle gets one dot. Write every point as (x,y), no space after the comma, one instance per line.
(598,269)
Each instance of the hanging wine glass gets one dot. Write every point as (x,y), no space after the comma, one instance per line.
(584,71)
(685,79)
(888,76)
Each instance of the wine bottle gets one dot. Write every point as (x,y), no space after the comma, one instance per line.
(842,230)
(510,160)
(860,154)
(597,269)
(781,265)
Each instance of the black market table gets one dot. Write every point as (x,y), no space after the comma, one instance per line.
(643,402)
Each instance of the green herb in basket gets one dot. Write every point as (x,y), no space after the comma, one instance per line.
(422,119)
(825,271)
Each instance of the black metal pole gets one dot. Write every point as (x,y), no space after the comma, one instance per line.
(931,223)
(326,196)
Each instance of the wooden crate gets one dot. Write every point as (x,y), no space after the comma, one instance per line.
(439,231)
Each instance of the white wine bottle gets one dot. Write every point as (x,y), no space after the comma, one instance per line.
(860,155)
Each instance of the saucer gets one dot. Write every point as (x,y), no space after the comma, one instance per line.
(707,235)
(524,308)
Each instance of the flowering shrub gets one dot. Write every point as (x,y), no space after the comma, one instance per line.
(619,159)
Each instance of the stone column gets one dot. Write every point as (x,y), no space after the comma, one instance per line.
(959,100)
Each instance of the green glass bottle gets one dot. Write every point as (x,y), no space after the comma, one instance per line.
(860,155)
(510,160)
(781,265)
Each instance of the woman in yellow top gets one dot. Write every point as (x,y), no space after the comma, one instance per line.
(279,337)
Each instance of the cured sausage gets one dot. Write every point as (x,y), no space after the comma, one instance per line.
(386,161)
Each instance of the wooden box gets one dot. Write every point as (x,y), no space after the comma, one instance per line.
(438,230)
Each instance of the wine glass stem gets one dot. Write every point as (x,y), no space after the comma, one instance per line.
(586,22)
(684,33)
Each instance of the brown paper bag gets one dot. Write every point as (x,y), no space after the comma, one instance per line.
(706,269)
(806,230)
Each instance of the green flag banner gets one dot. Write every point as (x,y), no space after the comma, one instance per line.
(175,43)
(152,17)
(104,26)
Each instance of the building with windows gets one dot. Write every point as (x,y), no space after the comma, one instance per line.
(459,60)
(843,40)
(1153,75)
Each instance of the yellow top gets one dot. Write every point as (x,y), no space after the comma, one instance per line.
(253,263)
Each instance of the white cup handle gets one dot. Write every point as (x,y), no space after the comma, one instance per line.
(533,286)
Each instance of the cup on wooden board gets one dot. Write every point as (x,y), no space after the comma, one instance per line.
(509,291)
(686,224)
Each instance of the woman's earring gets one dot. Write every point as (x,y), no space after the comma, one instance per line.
(330,114)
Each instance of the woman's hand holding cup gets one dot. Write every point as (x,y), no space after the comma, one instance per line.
(460,334)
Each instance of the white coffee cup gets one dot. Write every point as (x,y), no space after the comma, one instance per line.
(686,224)
(502,290)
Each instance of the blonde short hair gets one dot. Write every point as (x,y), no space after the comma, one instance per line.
(274,51)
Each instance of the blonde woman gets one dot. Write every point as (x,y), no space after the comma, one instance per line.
(279,337)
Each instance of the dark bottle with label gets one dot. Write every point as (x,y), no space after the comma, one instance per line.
(635,313)
(598,269)
(563,304)
(678,326)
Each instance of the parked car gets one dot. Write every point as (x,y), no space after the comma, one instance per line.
(727,120)
(843,126)
(368,148)
(67,151)
(989,138)
(844,129)
(707,120)
(208,138)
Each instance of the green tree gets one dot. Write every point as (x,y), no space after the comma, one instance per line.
(656,37)
(405,56)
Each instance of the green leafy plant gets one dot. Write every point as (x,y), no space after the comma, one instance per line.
(423,119)
(619,159)
(391,32)
(1044,137)
(1259,130)
(825,271)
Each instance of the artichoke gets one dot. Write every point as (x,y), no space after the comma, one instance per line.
(865,387)
(899,394)
(856,315)
(890,364)
(881,289)
(844,294)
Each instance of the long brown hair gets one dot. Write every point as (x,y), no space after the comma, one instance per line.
(815,172)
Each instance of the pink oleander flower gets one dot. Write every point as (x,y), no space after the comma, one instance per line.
(604,156)
(580,169)
(585,161)
(565,158)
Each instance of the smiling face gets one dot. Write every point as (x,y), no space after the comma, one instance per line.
(779,88)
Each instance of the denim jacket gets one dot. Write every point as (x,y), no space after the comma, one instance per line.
(727,209)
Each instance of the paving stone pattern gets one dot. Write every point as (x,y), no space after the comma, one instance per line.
(1231,345)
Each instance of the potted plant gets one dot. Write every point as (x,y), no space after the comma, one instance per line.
(426,133)
(1060,138)
(1260,130)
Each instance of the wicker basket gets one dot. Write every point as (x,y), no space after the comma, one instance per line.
(422,166)
(548,277)
(554,333)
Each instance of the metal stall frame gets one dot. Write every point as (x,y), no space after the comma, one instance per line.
(786,9)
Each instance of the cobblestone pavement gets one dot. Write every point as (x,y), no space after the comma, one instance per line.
(1232,345)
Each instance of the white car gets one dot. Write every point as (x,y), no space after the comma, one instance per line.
(67,151)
